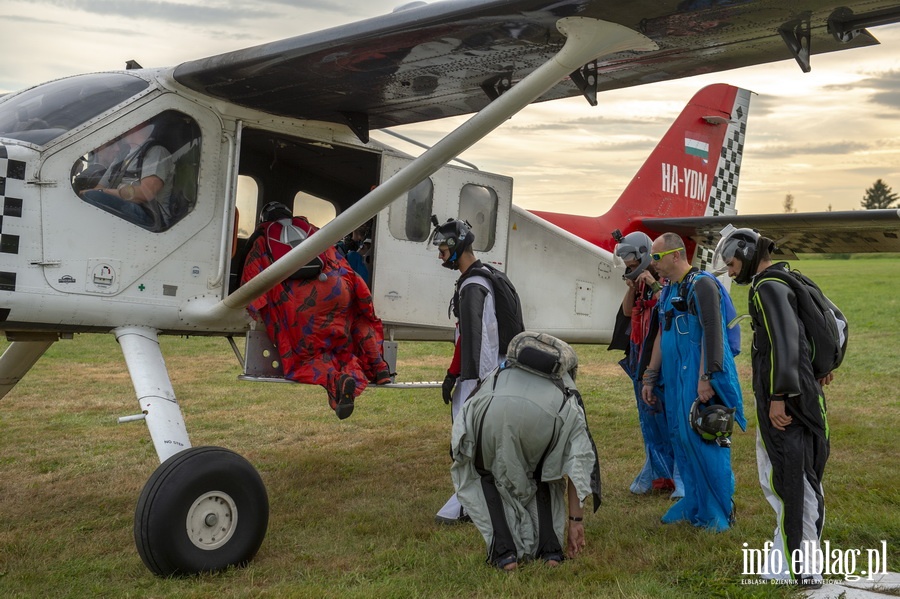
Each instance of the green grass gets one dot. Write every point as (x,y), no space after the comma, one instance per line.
(352,501)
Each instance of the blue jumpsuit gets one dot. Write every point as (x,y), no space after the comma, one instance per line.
(705,467)
(659,465)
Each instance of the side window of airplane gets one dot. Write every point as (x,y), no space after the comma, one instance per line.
(147,176)
(410,220)
(478,206)
(247,201)
(318,211)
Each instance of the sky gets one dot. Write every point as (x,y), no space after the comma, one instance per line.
(823,137)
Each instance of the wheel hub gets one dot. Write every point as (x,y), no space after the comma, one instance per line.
(212,520)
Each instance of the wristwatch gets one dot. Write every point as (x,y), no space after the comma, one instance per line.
(126,191)
(704,376)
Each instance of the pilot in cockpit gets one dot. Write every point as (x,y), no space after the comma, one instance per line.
(142,173)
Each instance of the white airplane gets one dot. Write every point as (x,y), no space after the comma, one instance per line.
(268,123)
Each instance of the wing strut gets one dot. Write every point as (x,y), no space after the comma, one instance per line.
(19,357)
(586,40)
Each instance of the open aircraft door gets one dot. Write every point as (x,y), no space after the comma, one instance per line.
(409,285)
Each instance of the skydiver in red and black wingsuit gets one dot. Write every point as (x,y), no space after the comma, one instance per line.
(793,438)
(324,328)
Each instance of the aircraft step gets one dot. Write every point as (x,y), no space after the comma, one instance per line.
(399,385)
(414,385)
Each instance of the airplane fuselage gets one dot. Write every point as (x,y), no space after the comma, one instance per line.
(69,265)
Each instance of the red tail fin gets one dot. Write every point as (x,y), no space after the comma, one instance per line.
(692,172)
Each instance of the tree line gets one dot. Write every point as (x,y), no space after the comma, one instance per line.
(877,197)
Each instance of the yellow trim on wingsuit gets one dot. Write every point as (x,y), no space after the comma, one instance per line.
(762,311)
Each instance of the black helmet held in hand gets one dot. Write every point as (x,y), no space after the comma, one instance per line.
(712,421)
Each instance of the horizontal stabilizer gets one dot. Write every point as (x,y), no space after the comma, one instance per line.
(855,231)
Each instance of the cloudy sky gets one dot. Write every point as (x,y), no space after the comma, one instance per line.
(823,137)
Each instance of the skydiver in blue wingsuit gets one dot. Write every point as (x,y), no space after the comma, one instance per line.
(658,472)
(691,355)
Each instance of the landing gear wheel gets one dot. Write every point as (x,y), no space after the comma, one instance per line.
(202,510)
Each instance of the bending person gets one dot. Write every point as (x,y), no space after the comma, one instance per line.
(522,453)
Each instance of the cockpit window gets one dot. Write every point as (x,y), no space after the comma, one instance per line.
(148,175)
(43,113)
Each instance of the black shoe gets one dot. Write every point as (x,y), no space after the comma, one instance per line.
(383,377)
(555,556)
(342,404)
(461,519)
(508,562)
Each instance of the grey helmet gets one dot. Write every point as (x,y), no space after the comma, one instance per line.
(634,246)
(744,244)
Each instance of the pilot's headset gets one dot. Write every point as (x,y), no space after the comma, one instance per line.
(634,246)
(456,234)
(274,211)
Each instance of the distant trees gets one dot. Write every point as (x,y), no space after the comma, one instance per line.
(789,203)
(878,196)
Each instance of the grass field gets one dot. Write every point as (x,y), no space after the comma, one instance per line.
(352,502)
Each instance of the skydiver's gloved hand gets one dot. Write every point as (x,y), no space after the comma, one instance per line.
(447,387)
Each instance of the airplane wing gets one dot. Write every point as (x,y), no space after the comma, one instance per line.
(453,57)
(798,233)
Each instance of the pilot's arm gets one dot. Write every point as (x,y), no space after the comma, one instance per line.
(143,190)
(137,192)
(478,350)
(777,304)
(156,162)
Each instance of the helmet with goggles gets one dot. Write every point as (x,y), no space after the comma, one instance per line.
(634,247)
(274,211)
(457,235)
(747,246)
(712,421)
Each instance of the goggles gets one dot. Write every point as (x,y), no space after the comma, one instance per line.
(658,256)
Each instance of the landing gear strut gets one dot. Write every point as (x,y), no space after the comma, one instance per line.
(205,508)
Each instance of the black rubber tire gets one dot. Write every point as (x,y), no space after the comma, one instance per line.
(160,519)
